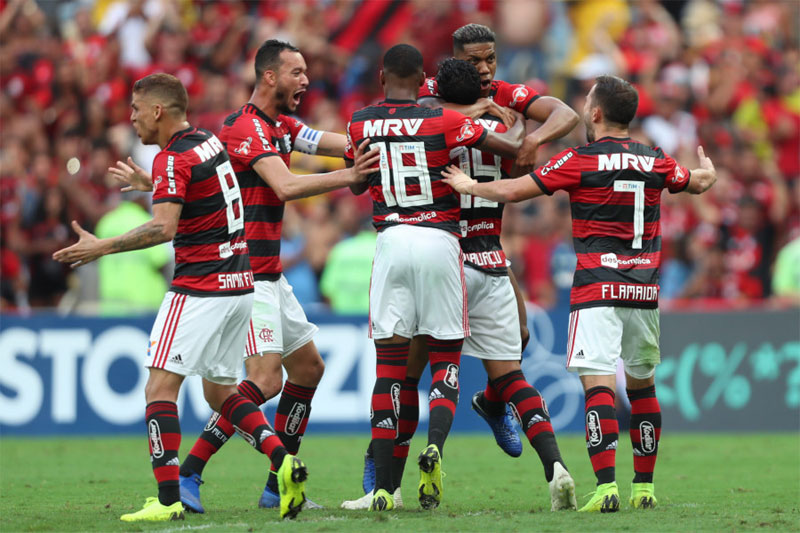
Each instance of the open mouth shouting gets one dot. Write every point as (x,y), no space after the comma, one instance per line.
(297,96)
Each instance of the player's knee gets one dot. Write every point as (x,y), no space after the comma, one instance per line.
(641,372)
(309,374)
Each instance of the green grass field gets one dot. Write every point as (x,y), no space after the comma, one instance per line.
(708,482)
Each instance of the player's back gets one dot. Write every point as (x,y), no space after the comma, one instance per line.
(415,144)
(210,248)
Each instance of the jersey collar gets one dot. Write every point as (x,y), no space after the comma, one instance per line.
(177,135)
(255,109)
(392,101)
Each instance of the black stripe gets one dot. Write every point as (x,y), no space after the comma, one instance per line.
(603,245)
(230,120)
(413,111)
(249,178)
(210,237)
(612,213)
(612,275)
(606,178)
(260,213)
(540,184)
(206,206)
(267,277)
(264,247)
(532,100)
(614,303)
(235,263)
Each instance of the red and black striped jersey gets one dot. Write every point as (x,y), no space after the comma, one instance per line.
(248,135)
(515,96)
(615,189)
(210,247)
(415,144)
(481,219)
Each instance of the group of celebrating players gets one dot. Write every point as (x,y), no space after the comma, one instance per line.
(437,156)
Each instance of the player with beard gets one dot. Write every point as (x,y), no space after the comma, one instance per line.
(201,326)
(615,186)
(492,304)
(259,139)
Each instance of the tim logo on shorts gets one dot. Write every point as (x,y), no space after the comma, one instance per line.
(647,434)
(295,418)
(593,430)
(451,378)
(396,398)
(156,446)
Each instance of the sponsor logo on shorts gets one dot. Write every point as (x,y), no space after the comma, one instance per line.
(580,355)
(212,422)
(647,435)
(422,217)
(593,429)
(177,359)
(156,446)
(295,418)
(396,398)
(266,335)
(451,378)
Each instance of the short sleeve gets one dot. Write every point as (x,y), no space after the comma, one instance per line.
(429,89)
(561,172)
(460,130)
(171,175)
(516,96)
(247,140)
(677,176)
(294,125)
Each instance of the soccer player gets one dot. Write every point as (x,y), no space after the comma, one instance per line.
(417,279)
(259,139)
(492,306)
(475,43)
(201,327)
(615,186)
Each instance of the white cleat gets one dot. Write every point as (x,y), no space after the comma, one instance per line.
(366,500)
(562,490)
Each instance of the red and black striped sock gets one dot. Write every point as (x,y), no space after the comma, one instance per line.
(291,420)
(531,412)
(407,422)
(164,435)
(444,357)
(645,432)
(602,433)
(216,433)
(391,372)
(249,422)
(493,402)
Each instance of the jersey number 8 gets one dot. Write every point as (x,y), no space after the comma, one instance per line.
(232,195)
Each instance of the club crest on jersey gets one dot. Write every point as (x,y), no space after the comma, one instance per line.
(266,335)
(467,132)
(678,175)
(519,94)
(156,446)
(295,418)
(432,86)
(244,148)
(451,377)
(396,398)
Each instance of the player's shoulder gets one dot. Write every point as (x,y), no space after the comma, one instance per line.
(291,122)
(187,140)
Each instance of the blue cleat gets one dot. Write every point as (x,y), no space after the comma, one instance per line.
(272,500)
(190,493)
(368,480)
(505,434)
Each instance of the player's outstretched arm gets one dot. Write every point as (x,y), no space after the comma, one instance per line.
(133,176)
(557,120)
(506,144)
(160,229)
(513,190)
(290,186)
(331,144)
(701,179)
(473,111)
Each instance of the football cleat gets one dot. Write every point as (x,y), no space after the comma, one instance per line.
(271,499)
(154,511)
(642,496)
(190,493)
(505,434)
(381,501)
(562,489)
(368,479)
(365,501)
(292,477)
(604,500)
(430,477)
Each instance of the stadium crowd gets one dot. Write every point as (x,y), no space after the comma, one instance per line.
(722,74)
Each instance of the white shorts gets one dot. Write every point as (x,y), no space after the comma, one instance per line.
(279,324)
(417,285)
(598,336)
(493,317)
(200,336)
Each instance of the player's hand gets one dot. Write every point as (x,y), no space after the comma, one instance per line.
(507,115)
(364,160)
(87,249)
(459,181)
(705,161)
(526,157)
(133,176)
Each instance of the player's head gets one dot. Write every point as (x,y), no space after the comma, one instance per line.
(158,101)
(402,66)
(475,43)
(281,69)
(458,81)
(611,102)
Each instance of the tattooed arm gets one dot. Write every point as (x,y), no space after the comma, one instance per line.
(88,248)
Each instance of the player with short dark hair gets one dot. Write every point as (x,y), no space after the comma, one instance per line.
(259,139)
(615,186)
(417,279)
(201,326)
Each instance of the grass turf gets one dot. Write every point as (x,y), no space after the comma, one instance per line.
(710,482)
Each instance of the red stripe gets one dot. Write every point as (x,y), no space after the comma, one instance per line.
(604,459)
(582,229)
(369,306)
(162,337)
(645,405)
(174,327)
(251,340)
(608,196)
(573,329)
(465,310)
